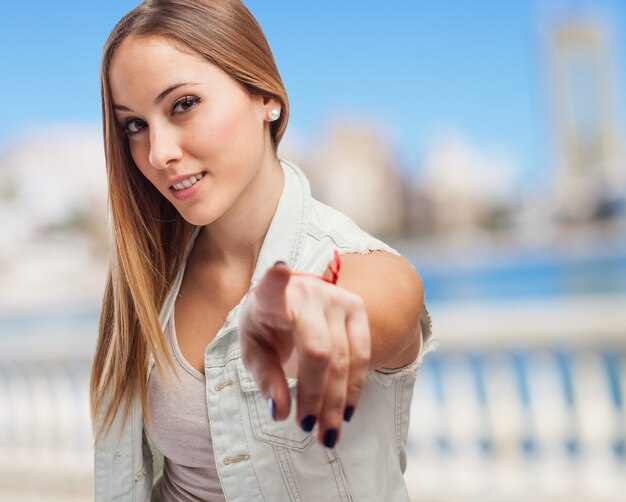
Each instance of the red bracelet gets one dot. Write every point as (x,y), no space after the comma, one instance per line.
(334,271)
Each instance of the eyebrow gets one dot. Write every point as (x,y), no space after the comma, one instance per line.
(159,98)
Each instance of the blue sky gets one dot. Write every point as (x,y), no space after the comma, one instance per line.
(474,66)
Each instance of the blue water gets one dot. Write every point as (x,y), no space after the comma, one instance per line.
(534,276)
(505,278)
(51,321)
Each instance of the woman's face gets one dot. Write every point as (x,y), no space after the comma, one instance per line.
(193,131)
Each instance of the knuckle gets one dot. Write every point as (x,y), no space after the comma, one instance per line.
(355,302)
(303,288)
(317,351)
(333,409)
(340,365)
(309,398)
(360,358)
(356,385)
(276,321)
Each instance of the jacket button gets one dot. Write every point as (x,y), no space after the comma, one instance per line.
(223,385)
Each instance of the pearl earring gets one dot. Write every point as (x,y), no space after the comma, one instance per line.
(273,114)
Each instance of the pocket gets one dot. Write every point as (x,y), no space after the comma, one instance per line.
(285,433)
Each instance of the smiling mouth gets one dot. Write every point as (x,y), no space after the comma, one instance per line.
(192,180)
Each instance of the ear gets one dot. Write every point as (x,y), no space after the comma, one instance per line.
(269,106)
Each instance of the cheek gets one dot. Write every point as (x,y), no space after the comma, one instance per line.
(231,135)
(139,154)
(226,129)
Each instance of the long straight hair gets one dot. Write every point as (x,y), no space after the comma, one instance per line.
(148,235)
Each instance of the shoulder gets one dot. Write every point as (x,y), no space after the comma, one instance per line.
(383,276)
(326,222)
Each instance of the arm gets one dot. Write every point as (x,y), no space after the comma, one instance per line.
(393,295)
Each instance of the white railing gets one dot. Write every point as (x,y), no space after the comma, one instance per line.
(45,431)
(525,425)
(542,424)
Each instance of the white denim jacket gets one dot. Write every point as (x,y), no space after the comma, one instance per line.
(257,458)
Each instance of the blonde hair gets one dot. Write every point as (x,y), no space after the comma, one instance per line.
(148,234)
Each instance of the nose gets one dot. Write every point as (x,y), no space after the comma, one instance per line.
(165,147)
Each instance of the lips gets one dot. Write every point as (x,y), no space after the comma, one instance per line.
(184,188)
(184,182)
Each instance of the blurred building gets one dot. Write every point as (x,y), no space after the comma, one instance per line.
(460,187)
(467,188)
(53,216)
(354,171)
(590,175)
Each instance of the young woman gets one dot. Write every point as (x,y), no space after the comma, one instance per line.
(243,323)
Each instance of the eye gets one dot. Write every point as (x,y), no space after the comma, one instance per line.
(133,126)
(185,104)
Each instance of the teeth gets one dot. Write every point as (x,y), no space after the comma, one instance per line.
(192,180)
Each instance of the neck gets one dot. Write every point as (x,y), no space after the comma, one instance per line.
(237,236)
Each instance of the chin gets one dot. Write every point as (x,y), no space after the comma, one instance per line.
(204,210)
(199,218)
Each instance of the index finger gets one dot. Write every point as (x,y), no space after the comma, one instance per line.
(314,353)
(271,289)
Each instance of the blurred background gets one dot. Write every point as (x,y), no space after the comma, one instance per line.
(485,140)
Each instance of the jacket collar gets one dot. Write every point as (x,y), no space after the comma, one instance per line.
(285,237)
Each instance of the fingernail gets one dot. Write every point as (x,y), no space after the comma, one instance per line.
(280,262)
(308,423)
(272,406)
(330,438)
(347,414)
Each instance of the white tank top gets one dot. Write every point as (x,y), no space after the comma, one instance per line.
(180,430)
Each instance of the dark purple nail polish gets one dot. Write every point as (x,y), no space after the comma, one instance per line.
(347,414)
(308,423)
(330,438)
(272,406)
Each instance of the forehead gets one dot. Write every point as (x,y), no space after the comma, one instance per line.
(151,62)
(136,54)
